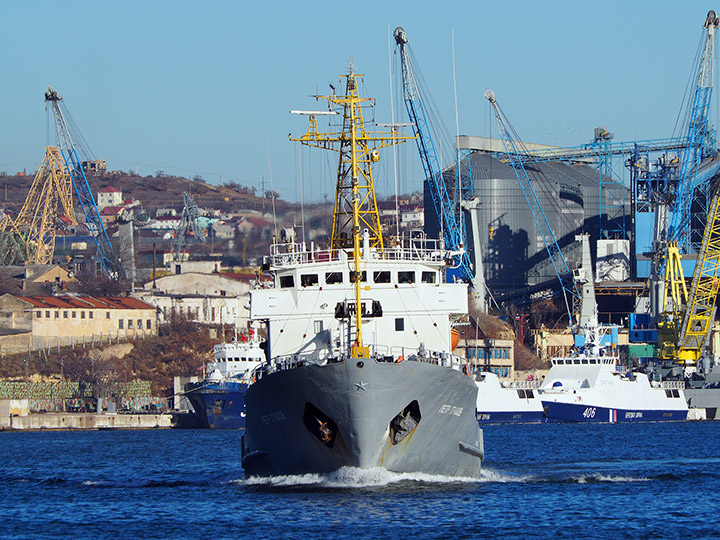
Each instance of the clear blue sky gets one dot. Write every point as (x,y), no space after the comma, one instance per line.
(193,87)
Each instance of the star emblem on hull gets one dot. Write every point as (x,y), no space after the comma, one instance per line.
(361,385)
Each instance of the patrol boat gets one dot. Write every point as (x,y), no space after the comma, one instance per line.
(361,371)
(219,399)
(589,385)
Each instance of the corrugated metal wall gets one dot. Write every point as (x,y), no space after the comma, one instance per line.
(514,254)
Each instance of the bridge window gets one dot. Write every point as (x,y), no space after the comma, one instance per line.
(381,277)
(287,281)
(406,277)
(333,278)
(399,324)
(308,280)
(428,277)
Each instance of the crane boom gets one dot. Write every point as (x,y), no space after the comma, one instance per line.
(446,207)
(702,296)
(51,189)
(698,133)
(513,155)
(65,128)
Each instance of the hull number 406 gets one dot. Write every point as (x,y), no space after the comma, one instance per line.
(589,412)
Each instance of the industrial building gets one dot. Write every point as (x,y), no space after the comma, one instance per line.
(499,220)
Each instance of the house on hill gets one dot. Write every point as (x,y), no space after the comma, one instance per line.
(109,196)
(36,278)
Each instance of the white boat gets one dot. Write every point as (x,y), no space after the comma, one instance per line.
(589,385)
(589,388)
(502,402)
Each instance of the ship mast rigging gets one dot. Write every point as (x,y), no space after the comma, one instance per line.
(355,202)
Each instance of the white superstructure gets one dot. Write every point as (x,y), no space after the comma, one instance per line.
(407,304)
(236,360)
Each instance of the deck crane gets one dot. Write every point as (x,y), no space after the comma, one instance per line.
(684,327)
(513,155)
(70,141)
(447,206)
(699,139)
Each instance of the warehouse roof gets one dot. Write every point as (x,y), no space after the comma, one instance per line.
(85,302)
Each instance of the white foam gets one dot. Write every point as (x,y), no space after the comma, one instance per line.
(490,475)
(352,477)
(597,477)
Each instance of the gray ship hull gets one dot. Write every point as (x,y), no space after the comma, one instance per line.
(405,417)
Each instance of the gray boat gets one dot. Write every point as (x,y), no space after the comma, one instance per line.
(412,416)
(329,399)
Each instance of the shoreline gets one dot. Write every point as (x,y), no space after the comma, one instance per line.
(86,421)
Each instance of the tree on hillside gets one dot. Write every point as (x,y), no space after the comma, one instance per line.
(100,284)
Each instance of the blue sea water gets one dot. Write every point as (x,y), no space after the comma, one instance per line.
(651,480)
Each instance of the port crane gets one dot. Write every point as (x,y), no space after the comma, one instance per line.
(447,206)
(513,152)
(189,227)
(70,142)
(689,313)
(683,185)
(50,191)
(700,139)
(30,237)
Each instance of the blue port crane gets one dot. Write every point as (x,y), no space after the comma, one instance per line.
(70,141)
(700,141)
(513,153)
(447,206)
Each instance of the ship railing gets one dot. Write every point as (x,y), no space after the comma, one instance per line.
(408,250)
(522,384)
(380,353)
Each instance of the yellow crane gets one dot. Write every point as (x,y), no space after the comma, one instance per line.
(685,325)
(34,226)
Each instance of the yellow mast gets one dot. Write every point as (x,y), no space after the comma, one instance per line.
(355,202)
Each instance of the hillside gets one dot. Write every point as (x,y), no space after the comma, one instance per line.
(154,192)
